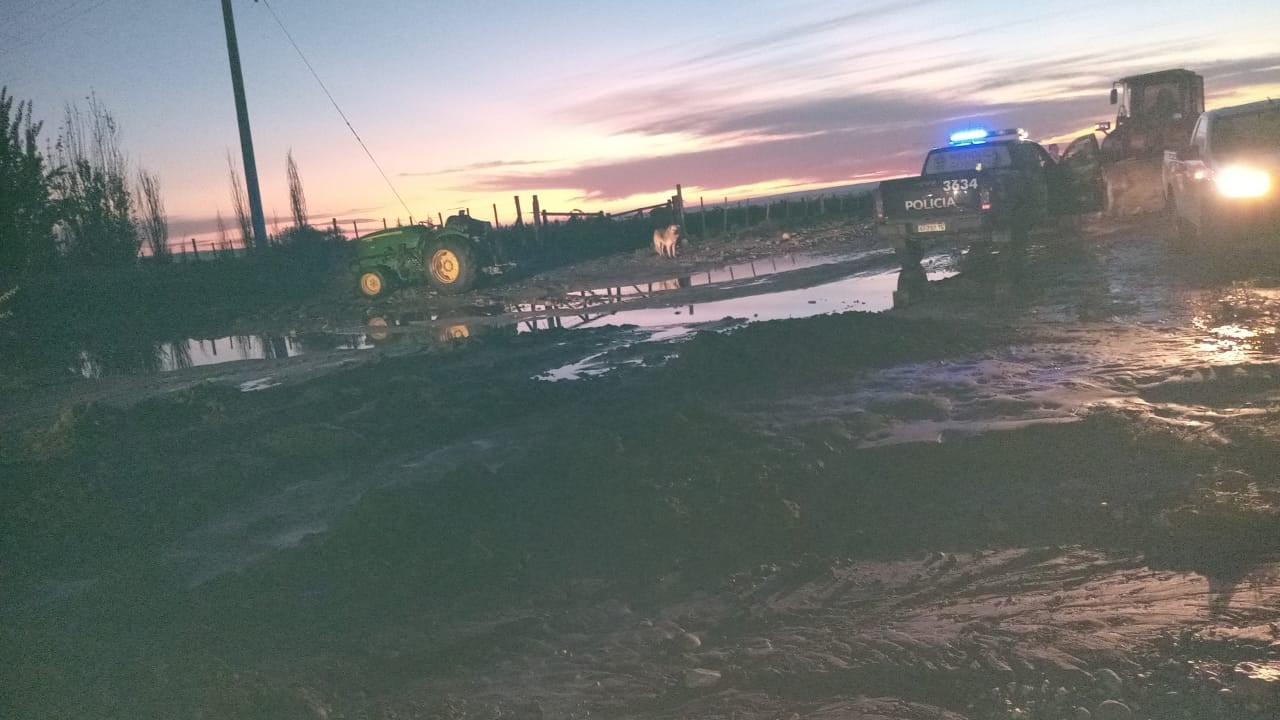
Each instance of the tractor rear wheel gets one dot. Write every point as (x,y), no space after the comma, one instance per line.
(451,266)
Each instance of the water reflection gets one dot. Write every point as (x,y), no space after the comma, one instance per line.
(747,297)
(423,329)
(124,355)
(730,277)
(1238,323)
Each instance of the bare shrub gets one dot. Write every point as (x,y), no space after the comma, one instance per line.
(223,240)
(153,223)
(297,200)
(240,204)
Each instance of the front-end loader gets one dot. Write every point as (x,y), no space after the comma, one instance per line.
(1156,112)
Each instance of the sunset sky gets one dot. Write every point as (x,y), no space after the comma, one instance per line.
(599,106)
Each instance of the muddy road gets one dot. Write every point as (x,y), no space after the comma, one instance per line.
(1045,485)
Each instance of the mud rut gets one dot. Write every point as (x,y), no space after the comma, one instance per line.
(1047,488)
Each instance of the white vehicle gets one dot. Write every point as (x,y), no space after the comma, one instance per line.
(1226,183)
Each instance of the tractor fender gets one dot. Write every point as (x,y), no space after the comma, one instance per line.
(480,246)
(436,237)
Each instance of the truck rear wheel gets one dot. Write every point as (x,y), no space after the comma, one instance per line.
(451,266)
(908,251)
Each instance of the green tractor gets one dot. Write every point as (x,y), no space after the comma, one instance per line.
(450,258)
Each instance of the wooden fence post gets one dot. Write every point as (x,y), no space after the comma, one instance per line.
(519,215)
(355,229)
(680,205)
(703,215)
(194,251)
(335,225)
(537,220)
(440,218)
(384,223)
(495,216)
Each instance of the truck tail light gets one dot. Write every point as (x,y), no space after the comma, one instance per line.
(985,196)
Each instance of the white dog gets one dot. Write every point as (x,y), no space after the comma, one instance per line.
(664,240)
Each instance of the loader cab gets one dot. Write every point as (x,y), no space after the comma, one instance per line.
(1155,112)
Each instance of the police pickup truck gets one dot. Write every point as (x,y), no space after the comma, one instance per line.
(997,185)
(1226,182)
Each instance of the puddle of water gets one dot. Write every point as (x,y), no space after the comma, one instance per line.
(590,366)
(740,275)
(599,307)
(149,356)
(258,384)
(872,292)
(869,292)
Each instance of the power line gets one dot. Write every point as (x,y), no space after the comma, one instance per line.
(20,11)
(61,19)
(335,107)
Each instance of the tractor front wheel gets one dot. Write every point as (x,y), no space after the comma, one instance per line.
(451,266)
(374,283)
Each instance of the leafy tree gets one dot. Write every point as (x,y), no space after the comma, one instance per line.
(27,214)
(97,225)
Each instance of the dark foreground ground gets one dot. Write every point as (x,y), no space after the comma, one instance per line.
(1047,488)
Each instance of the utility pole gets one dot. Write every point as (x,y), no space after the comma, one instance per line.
(246,139)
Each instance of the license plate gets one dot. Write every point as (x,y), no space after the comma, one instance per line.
(931,227)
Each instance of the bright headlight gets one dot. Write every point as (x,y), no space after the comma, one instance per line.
(1242,182)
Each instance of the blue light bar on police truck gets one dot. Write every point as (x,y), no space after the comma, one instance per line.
(969,136)
(977,136)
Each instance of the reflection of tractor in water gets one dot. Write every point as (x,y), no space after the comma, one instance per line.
(1156,113)
(380,329)
(449,258)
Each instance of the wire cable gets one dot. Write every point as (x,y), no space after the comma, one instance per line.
(60,19)
(336,107)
